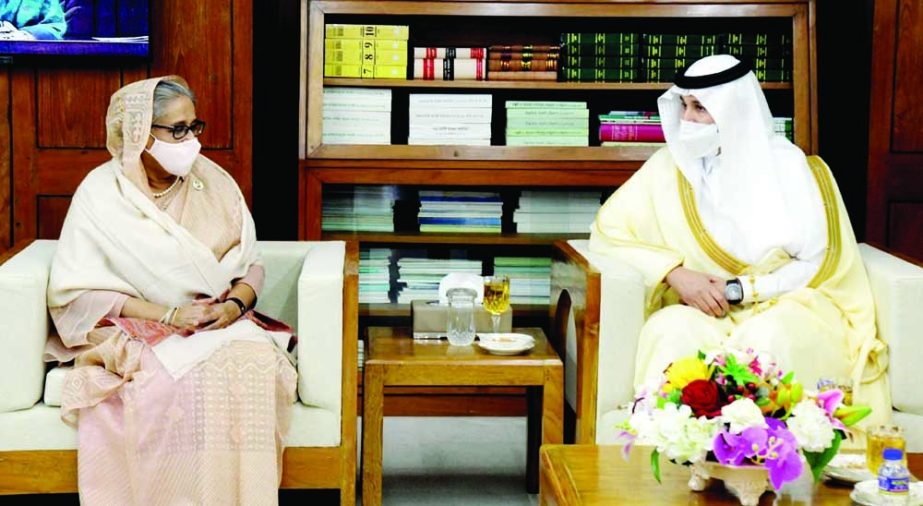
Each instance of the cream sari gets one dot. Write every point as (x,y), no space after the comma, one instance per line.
(206,431)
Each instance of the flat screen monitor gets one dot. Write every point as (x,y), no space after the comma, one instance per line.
(74,28)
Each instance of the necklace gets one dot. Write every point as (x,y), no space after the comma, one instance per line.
(157,195)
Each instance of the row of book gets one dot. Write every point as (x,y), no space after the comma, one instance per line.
(556,211)
(456,119)
(387,275)
(547,123)
(460,211)
(366,51)
(356,116)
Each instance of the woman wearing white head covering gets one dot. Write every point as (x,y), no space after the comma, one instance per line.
(742,241)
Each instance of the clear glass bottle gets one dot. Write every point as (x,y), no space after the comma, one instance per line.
(893,478)
(460,318)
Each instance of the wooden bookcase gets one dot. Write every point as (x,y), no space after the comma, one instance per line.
(479,24)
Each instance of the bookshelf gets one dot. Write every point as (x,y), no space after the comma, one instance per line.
(507,168)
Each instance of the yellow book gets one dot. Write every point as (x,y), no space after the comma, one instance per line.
(357,44)
(342,56)
(387,57)
(339,70)
(389,32)
(390,72)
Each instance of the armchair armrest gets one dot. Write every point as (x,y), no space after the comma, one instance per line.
(600,330)
(897,287)
(24,320)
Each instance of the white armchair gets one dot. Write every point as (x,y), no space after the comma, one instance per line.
(312,285)
(597,308)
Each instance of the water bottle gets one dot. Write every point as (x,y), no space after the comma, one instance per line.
(460,322)
(893,478)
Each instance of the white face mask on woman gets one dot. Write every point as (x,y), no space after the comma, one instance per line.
(699,139)
(177,159)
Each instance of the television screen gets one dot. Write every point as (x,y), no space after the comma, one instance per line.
(74,28)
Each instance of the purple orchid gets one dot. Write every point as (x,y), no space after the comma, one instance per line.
(782,457)
(734,449)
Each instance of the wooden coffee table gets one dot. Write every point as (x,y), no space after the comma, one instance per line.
(395,358)
(591,475)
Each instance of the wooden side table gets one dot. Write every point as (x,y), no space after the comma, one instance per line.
(395,358)
(599,475)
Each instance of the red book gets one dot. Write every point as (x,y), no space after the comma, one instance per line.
(623,132)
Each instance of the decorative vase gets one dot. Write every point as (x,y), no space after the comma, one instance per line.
(746,482)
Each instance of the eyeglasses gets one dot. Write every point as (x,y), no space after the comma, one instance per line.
(179,131)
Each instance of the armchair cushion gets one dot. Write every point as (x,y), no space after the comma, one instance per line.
(897,287)
(24,321)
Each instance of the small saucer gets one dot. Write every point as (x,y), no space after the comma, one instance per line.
(506,343)
(866,493)
(848,468)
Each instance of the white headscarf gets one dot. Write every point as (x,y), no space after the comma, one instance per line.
(758,186)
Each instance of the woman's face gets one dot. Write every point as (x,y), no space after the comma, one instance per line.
(694,111)
(179,112)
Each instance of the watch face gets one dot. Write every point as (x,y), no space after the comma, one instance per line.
(734,292)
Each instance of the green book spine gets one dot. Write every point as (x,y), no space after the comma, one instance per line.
(757,51)
(547,132)
(602,62)
(760,39)
(602,50)
(771,63)
(514,123)
(613,39)
(593,75)
(667,63)
(658,75)
(677,39)
(547,113)
(675,51)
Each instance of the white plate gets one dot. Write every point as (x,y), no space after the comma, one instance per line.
(848,468)
(866,493)
(506,343)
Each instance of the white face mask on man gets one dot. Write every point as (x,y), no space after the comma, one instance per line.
(177,159)
(699,139)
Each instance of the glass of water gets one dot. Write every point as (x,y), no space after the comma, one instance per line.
(460,322)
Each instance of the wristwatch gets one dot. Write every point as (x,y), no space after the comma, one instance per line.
(734,291)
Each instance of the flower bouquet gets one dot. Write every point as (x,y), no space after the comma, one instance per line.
(737,410)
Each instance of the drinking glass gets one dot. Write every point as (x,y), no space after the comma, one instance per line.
(460,321)
(496,298)
(879,438)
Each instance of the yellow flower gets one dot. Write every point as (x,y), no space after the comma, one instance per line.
(684,371)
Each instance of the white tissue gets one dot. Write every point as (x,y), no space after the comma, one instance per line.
(461,279)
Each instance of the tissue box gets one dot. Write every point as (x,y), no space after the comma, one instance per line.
(430,321)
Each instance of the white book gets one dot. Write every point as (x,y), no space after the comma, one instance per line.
(356,106)
(451,130)
(426,141)
(449,100)
(380,93)
(337,127)
(547,141)
(354,138)
(543,104)
(426,115)
(366,116)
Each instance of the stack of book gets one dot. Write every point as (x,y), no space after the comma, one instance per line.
(452,119)
(547,123)
(462,211)
(367,51)
(601,57)
(358,209)
(418,278)
(530,278)
(374,275)
(547,212)
(769,54)
(664,54)
(449,63)
(356,116)
(630,128)
(524,62)
(785,127)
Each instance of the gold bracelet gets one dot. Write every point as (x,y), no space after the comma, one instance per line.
(167,318)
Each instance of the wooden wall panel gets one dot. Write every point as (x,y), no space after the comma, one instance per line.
(906,228)
(68,103)
(907,133)
(895,183)
(57,111)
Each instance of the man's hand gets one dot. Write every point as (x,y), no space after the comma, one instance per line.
(699,290)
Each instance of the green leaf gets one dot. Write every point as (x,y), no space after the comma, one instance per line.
(739,372)
(701,355)
(675,397)
(655,464)
(788,377)
(661,402)
(762,401)
(819,460)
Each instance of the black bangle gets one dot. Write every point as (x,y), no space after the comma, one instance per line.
(240,304)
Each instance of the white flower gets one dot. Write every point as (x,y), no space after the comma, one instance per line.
(674,432)
(810,426)
(742,414)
